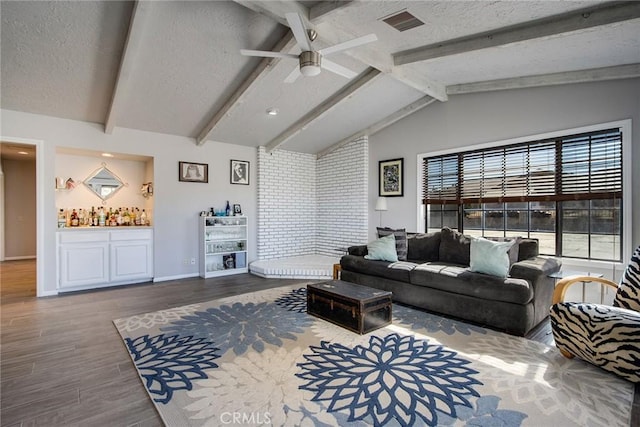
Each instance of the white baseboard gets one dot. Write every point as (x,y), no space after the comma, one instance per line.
(176,277)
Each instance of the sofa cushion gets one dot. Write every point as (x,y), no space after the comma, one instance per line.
(389,270)
(401,240)
(359,250)
(460,280)
(383,249)
(528,248)
(490,257)
(423,246)
(514,250)
(455,247)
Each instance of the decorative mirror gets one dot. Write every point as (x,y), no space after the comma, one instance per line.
(103,182)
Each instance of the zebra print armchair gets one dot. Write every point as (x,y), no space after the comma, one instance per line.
(606,336)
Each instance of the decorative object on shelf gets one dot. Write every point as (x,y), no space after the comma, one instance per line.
(227,209)
(381,205)
(147,190)
(103,182)
(62,184)
(239,172)
(223,245)
(193,172)
(237,210)
(390,177)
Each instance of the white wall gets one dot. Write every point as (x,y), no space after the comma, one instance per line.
(286,204)
(342,180)
(472,119)
(176,204)
(312,206)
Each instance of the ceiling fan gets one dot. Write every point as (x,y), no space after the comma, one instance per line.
(311,61)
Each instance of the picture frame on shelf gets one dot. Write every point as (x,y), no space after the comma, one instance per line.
(237,210)
(193,172)
(240,172)
(391,177)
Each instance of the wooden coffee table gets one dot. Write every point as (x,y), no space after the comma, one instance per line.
(355,307)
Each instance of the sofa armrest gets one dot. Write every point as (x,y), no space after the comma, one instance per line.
(360,250)
(536,271)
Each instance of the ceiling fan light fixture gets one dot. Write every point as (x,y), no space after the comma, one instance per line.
(309,63)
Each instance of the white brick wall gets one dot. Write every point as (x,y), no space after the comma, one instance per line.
(342,191)
(286,204)
(308,206)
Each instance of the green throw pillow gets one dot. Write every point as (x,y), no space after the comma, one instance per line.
(383,249)
(490,257)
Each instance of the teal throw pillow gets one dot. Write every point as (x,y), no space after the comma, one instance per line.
(383,249)
(490,257)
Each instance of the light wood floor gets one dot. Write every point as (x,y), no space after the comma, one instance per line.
(64,363)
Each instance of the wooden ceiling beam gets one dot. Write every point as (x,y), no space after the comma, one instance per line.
(285,44)
(329,104)
(139,17)
(324,9)
(545,27)
(378,126)
(582,76)
(370,56)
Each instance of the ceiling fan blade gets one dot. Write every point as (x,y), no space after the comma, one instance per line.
(348,44)
(299,30)
(338,69)
(268,54)
(293,76)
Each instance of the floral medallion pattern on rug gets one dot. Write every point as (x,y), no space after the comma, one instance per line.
(416,319)
(170,363)
(393,379)
(242,326)
(295,300)
(259,359)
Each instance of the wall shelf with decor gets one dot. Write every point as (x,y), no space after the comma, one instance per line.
(223,245)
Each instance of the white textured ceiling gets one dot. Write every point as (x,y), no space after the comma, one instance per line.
(61,58)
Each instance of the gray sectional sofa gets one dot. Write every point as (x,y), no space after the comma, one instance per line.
(436,277)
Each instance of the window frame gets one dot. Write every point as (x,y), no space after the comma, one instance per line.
(625,127)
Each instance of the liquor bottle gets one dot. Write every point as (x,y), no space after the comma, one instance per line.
(228,209)
(62,219)
(132,217)
(143,218)
(74,218)
(102,219)
(126,219)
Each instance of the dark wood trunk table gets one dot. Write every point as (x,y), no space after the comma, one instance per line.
(355,307)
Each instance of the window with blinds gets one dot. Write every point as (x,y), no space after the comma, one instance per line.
(528,187)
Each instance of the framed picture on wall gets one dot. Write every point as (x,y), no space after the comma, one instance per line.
(239,172)
(193,172)
(390,178)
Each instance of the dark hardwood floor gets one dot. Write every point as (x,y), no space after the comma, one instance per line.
(64,363)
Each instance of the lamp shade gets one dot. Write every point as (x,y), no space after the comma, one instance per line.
(381,204)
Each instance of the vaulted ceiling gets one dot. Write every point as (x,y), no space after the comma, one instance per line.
(175,66)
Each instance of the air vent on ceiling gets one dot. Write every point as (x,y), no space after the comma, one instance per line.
(403,21)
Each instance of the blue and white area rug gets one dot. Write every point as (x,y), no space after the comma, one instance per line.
(260,359)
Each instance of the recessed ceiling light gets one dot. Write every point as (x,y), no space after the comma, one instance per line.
(24,153)
(272,111)
(107,155)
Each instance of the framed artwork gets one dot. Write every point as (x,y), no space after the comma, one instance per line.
(237,210)
(193,172)
(390,177)
(239,172)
